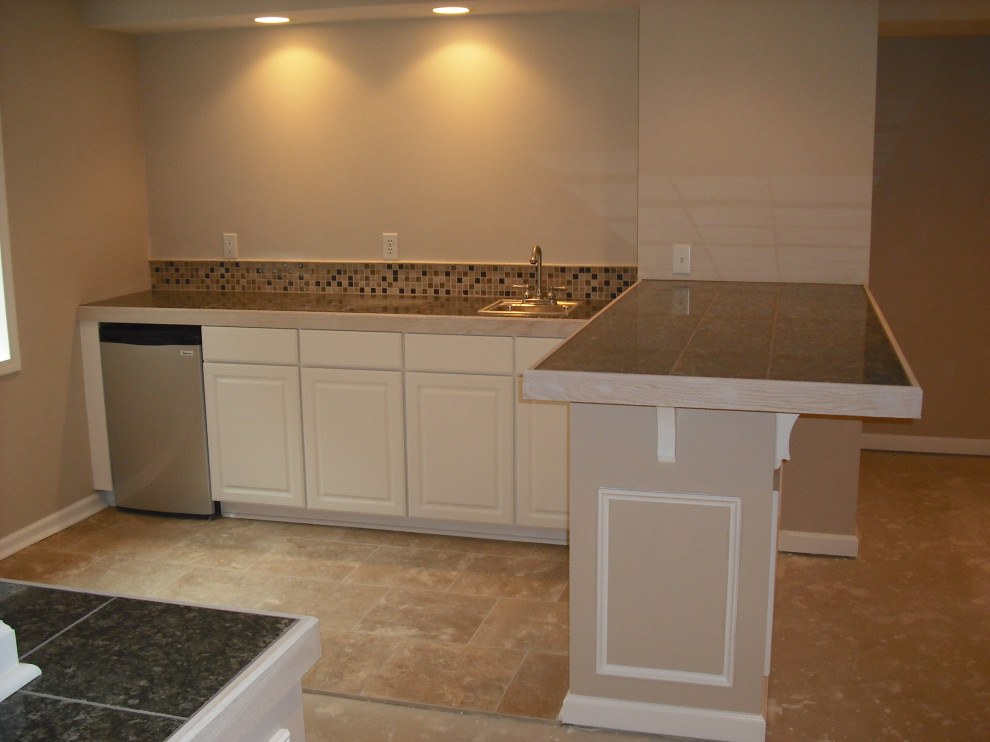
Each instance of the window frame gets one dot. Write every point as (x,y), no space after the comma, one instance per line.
(9,316)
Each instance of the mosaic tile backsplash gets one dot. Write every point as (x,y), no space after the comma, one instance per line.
(409,279)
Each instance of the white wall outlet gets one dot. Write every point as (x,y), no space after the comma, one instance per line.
(229,245)
(390,245)
(682,259)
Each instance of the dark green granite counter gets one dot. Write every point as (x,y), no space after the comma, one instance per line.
(120,668)
(783,347)
(331,311)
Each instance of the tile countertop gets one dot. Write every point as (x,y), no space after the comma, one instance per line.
(331,311)
(117,668)
(787,347)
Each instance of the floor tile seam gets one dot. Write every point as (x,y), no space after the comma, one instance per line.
(418,640)
(483,621)
(505,690)
(459,711)
(378,602)
(374,675)
(110,706)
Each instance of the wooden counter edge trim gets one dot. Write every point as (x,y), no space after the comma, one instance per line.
(893,341)
(758,395)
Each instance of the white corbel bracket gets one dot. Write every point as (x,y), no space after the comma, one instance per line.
(785,424)
(666,434)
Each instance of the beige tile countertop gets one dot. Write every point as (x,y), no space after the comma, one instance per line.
(773,347)
(331,311)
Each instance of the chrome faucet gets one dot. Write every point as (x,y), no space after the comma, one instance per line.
(537,259)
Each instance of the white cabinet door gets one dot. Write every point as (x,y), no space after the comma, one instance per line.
(541,462)
(460,446)
(254,433)
(541,447)
(354,440)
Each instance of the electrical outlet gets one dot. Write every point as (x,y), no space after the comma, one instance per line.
(390,245)
(229,245)
(682,259)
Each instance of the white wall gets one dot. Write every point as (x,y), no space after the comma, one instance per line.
(756,138)
(473,138)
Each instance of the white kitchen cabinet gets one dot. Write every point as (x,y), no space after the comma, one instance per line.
(353,428)
(460,427)
(541,447)
(254,433)
(460,445)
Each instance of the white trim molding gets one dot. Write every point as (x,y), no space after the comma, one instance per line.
(51,524)
(925,444)
(656,718)
(821,544)
(606,497)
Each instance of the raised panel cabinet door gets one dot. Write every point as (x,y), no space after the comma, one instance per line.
(460,447)
(541,462)
(354,440)
(254,432)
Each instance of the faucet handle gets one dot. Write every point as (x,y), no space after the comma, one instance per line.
(527,289)
(553,291)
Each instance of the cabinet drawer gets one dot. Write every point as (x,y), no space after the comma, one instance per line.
(346,349)
(250,345)
(531,350)
(471,354)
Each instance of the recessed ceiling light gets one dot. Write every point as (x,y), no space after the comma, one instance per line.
(451,10)
(272,19)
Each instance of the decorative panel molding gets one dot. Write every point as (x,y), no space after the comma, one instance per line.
(727,528)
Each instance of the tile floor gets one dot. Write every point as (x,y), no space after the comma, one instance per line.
(485,620)
(893,645)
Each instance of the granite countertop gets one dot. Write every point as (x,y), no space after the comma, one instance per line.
(347,311)
(121,669)
(783,347)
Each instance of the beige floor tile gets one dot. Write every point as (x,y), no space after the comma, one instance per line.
(494,547)
(313,558)
(349,660)
(441,674)
(39,564)
(427,615)
(133,539)
(69,538)
(336,606)
(513,577)
(388,538)
(228,588)
(333,719)
(136,577)
(416,569)
(223,548)
(539,687)
(525,624)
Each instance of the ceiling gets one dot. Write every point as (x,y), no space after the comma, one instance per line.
(155,16)
(897,17)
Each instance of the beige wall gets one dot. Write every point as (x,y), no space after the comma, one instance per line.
(930,262)
(473,138)
(78,230)
(756,138)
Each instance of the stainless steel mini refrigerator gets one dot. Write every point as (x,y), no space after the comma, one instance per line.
(156,418)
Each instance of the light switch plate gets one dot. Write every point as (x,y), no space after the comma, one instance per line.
(682,259)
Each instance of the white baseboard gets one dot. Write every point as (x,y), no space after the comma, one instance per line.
(821,544)
(50,524)
(655,718)
(925,444)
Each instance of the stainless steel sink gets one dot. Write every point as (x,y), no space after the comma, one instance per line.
(528,308)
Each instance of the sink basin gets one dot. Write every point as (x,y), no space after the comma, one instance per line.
(528,308)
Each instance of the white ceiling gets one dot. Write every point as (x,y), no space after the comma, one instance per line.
(155,16)
(897,17)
